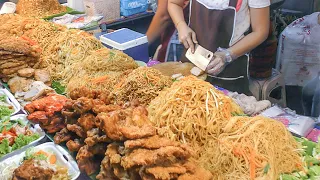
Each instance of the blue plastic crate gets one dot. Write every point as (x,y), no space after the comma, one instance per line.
(131,7)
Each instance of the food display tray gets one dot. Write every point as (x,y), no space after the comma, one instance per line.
(34,128)
(11,100)
(63,158)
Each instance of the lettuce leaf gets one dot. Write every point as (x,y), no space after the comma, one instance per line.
(31,155)
(4,147)
(5,112)
(23,140)
(3,98)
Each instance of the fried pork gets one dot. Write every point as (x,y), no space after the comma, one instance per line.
(153,142)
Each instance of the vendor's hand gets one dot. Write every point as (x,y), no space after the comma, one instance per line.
(187,36)
(217,64)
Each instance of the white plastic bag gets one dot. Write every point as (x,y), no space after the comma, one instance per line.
(298,57)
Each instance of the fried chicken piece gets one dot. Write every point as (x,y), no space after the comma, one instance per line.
(195,173)
(50,104)
(98,149)
(84,92)
(87,121)
(106,171)
(94,137)
(105,108)
(114,159)
(62,136)
(74,145)
(86,161)
(26,72)
(130,123)
(170,171)
(145,157)
(113,153)
(18,45)
(76,129)
(32,169)
(83,105)
(153,142)
(38,117)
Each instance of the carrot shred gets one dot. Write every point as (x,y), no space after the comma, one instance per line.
(252,165)
(31,42)
(100,79)
(52,159)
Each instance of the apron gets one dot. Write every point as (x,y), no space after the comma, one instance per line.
(213,22)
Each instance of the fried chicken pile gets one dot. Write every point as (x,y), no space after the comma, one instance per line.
(47,112)
(150,158)
(118,138)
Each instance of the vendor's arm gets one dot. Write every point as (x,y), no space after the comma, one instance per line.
(186,35)
(260,22)
(160,21)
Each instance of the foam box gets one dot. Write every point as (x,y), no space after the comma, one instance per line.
(130,42)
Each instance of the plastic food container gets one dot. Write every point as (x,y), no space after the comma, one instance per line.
(63,159)
(130,42)
(34,128)
(131,7)
(11,100)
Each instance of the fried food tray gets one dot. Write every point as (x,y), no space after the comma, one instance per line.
(11,100)
(64,159)
(34,128)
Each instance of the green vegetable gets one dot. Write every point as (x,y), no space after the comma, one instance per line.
(8,124)
(3,98)
(23,140)
(314,171)
(4,147)
(266,169)
(237,114)
(31,155)
(58,87)
(289,177)
(5,112)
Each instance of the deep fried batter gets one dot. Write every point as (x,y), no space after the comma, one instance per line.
(105,108)
(86,161)
(153,142)
(87,121)
(195,173)
(62,136)
(84,92)
(74,145)
(170,171)
(106,171)
(94,137)
(77,129)
(83,105)
(130,123)
(144,157)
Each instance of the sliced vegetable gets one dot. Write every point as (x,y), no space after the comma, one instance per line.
(23,140)
(58,87)
(4,147)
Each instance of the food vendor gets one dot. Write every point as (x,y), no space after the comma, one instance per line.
(230,29)
(162,27)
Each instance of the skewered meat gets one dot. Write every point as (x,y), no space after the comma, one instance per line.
(62,136)
(74,145)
